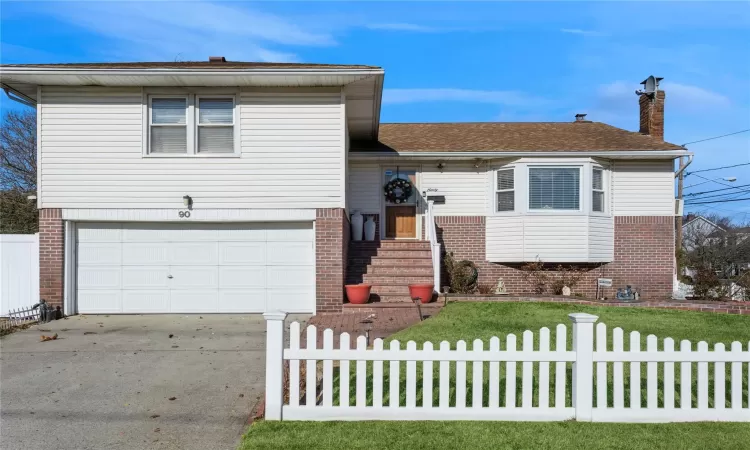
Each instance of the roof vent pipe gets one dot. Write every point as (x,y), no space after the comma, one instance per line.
(580,117)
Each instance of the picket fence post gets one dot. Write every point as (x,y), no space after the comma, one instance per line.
(583,367)
(274,363)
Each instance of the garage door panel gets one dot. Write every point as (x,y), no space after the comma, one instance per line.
(145,301)
(241,233)
(184,277)
(290,253)
(99,277)
(193,253)
(242,253)
(291,276)
(194,300)
(145,277)
(242,300)
(132,232)
(100,253)
(242,277)
(290,232)
(101,232)
(289,300)
(194,233)
(100,300)
(145,254)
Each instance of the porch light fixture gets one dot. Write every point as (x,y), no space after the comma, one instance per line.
(477,163)
(440,166)
(187,201)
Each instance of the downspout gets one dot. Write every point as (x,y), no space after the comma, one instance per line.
(18,96)
(682,169)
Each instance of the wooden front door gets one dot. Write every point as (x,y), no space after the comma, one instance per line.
(401,218)
(401,221)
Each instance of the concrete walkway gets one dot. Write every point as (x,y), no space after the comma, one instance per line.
(121,382)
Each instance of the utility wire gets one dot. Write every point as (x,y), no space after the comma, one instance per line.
(715,190)
(725,195)
(717,168)
(717,137)
(718,201)
(719,182)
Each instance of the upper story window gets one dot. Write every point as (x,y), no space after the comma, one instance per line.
(192,125)
(505,194)
(554,188)
(597,190)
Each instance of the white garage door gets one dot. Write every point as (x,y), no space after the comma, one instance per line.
(195,268)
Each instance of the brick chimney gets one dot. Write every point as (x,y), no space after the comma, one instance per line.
(651,101)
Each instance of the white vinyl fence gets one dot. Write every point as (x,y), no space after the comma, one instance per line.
(19,271)
(594,380)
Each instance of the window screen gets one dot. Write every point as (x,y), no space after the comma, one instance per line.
(554,188)
(168,125)
(597,184)
(505,190)
(215,125)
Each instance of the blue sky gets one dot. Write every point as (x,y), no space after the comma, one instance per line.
(451,61)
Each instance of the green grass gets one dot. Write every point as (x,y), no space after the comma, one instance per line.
(469,321)
(493,435)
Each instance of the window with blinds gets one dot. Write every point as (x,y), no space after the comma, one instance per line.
(168,125)
(554,188)
(215,125)
(597,187)
(505,194)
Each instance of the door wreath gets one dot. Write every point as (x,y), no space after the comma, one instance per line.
(398,190)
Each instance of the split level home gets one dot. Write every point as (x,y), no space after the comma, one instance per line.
(228,187)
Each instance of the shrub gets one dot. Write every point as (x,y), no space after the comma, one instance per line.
(534,273)
(462,275)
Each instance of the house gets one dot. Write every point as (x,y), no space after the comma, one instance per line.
(696,230)
(229,186)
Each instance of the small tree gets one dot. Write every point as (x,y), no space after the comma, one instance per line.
(18,166)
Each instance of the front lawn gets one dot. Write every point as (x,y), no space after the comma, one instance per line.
(469,321)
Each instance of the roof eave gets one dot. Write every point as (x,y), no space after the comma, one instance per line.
(619,154)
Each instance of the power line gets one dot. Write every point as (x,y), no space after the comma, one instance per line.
(717,168)
(715,190)
(719,182)
(717,137)
(718,201)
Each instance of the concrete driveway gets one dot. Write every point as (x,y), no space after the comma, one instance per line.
(121,382)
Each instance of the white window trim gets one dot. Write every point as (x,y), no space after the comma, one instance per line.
(603,190)
(191,124)
(581,196)
(495,190)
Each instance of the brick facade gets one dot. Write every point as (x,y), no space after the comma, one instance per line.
(331,253)
(51,256)
(643,257)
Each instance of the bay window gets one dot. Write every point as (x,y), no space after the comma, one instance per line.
(597,190)
(554,188)
(505,190)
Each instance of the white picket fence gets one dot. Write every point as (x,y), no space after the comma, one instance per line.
(591,380)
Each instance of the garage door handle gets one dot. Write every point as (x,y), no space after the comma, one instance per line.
(170,276)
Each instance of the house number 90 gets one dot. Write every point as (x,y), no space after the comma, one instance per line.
(184,214)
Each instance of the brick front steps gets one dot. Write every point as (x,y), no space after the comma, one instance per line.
(683,305)
(390,267)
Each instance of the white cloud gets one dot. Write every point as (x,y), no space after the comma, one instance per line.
(193,30)
(582,32)
(403,27)
(510,98)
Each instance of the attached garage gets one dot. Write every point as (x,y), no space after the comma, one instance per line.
(133,268)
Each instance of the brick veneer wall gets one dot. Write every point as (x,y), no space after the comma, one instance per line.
(51,256)
(644,252)
(331,253)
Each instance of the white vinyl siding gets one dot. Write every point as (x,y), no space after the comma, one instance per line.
(551,238)
(643,188)
(463,185)
(292,148)
(365,190)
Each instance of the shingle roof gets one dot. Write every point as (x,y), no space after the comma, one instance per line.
(194,65)
(510,136)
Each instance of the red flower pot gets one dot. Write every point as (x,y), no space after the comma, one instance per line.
(422,291)
(358,294)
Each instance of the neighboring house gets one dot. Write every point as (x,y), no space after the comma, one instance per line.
(696,229)
(228,187)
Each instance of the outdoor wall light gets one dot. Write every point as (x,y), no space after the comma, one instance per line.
(187,201)
(440,166)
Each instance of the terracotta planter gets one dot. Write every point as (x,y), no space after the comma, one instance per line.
(358,294)
(422,291)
